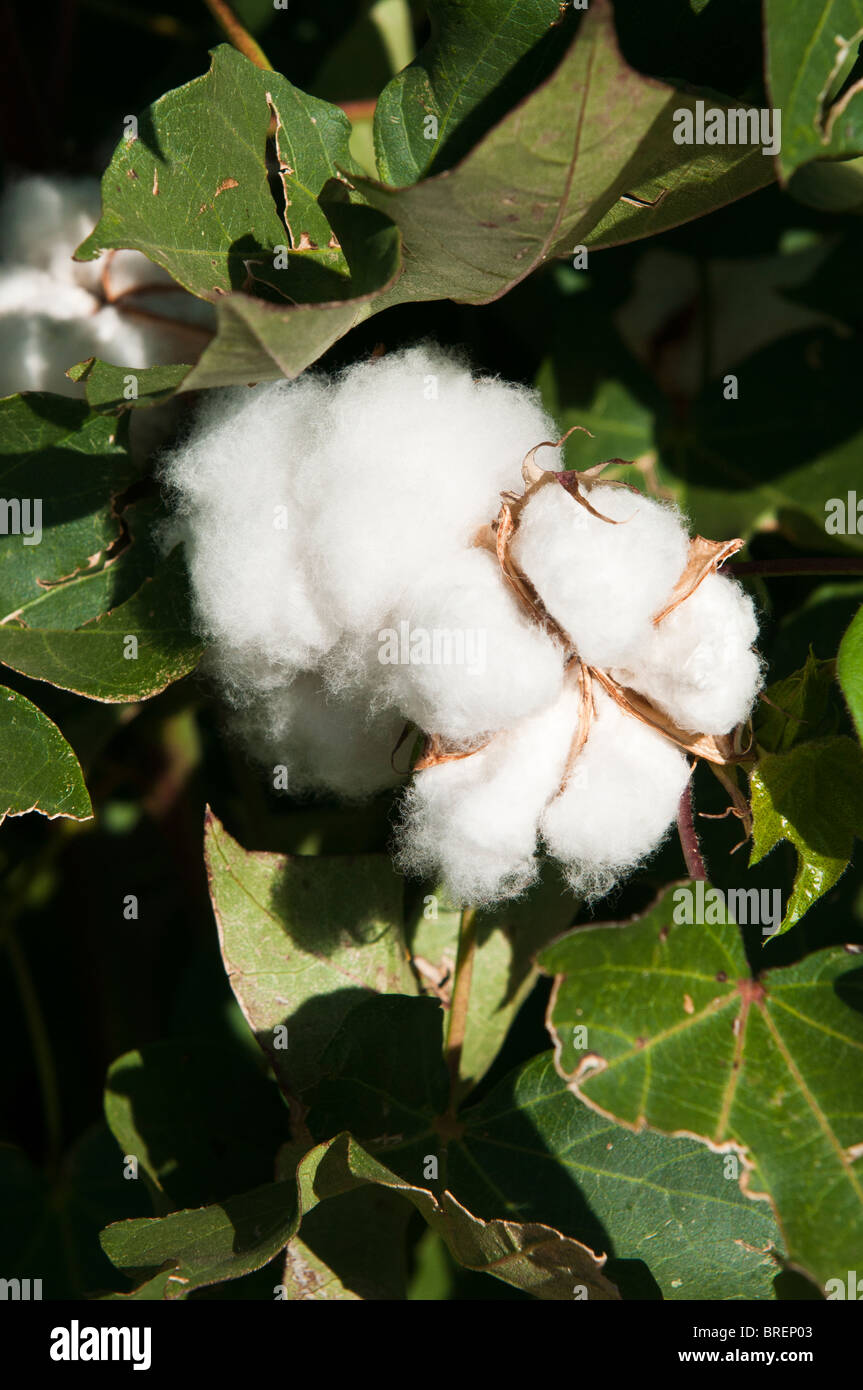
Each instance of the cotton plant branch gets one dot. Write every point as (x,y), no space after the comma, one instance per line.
(238,35)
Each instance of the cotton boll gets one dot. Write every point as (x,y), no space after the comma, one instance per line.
(234,487)
(324,742)
(618,803)
(601,582)
(698,664)
(458,657)
(44,220)
(473,822)
(418,453)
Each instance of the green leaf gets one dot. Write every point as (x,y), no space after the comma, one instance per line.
(383,1077)
(66,465)
(192,190)
(479,61)
(189,1250)
(260,341)
(682,1039)
(812,73)
(38,769)
(795,709)
(849,669)
(305,940)
(108,387)
(667,1201)
(99,660)
(525,1254)
(811,796)
(544,177)
(200,1118)
(503,972)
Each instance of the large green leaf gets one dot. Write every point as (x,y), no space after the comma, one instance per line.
(58,454)
(813,75)
(681,1038)
(546,176)
(305,940)
(481,58)
(811,796)
(796,708)
(289,272)
(849,669)
(669,1202)
(192,190)
(132,653)
(38,769)
(109,388)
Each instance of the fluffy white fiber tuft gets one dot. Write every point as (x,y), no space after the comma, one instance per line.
(619,802)
(602,582)
(55,311)
(698,663)
(475,821)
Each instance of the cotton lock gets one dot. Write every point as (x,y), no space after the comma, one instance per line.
(374,559)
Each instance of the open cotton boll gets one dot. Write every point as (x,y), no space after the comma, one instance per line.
(411,461)
(234,489)
(44,220)
(698,663)
(602,583)
(473,822)
(457,656)
(322,741)
(618,803)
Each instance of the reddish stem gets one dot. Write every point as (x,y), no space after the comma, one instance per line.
(695,865)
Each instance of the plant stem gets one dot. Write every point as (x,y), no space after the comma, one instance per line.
(43,1055)
(695,865)
(240,37)
(784,568)
(460,998)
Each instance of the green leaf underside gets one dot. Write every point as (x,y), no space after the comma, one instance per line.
(38,769)
(681,1039)
(546,176)
(811,796)
(107,386)
(96,660)
(305,941)
(188,1250)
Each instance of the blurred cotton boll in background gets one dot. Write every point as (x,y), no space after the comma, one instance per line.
(55,312)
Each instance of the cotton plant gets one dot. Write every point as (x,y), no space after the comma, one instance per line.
(56,312)
(328,518)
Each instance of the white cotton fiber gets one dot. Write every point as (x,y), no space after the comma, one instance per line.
(234,485)
(410,462)
(619,802)
(602,582)
(325,743)
(698,663)
(458,656)
(55,312)
(473,823)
